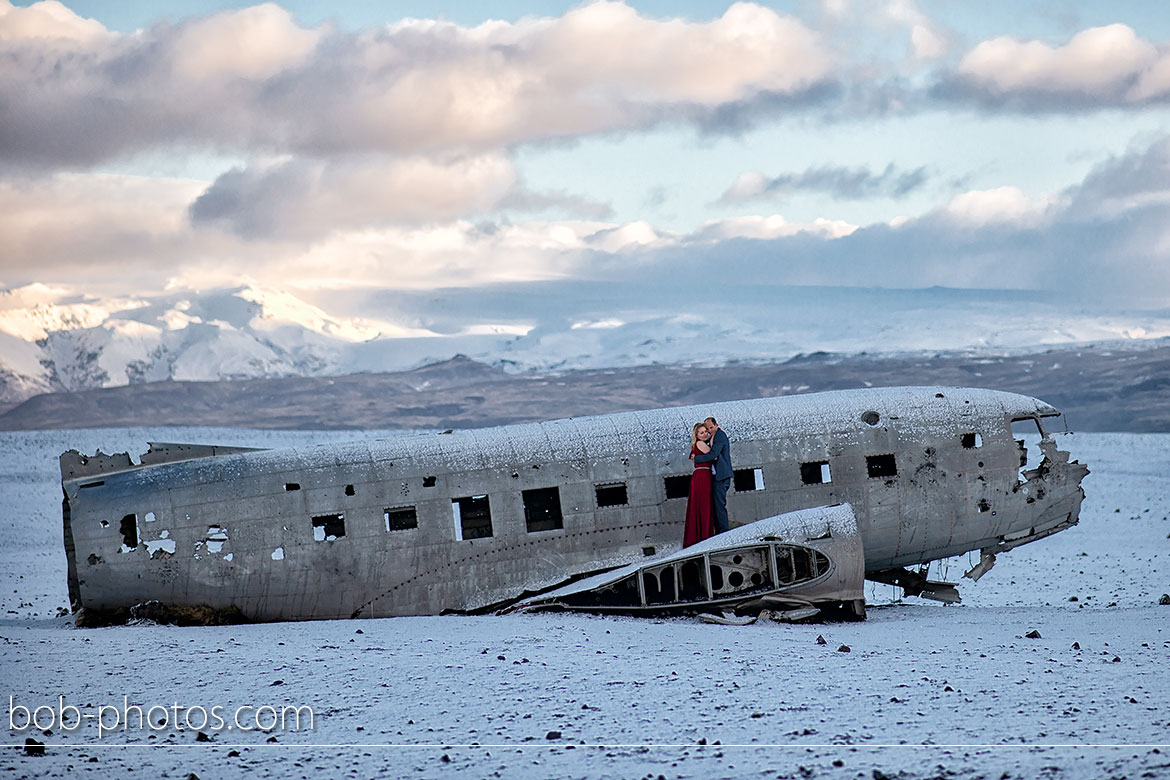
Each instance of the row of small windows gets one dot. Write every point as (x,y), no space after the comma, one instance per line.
(744,480)
(472,515)
(542,506)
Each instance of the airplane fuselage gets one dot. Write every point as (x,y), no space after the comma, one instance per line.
(461,521)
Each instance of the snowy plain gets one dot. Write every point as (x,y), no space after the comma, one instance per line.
(925,690)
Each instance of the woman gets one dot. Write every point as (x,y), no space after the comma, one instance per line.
(699,525)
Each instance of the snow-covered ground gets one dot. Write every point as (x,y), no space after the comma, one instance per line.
(925,691)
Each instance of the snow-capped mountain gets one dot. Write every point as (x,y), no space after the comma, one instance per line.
(52,339)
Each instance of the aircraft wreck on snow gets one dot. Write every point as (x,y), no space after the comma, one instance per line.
(585,514)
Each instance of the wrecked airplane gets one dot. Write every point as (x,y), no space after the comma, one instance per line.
(829,489)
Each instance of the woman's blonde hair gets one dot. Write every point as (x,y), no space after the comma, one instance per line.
(695,433)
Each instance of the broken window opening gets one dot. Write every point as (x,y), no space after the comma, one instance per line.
(428,481)
(129,530)
(612,494)
(328,528)
(881,466)
(401,518)
(816,473)
(473,517)
(971,441)
(291,486)
(349,491)
(677,487)
(748,480)
(1027,433)
(542,509)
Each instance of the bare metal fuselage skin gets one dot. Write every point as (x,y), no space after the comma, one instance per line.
(380,528)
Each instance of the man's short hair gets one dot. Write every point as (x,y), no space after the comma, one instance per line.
(711,420)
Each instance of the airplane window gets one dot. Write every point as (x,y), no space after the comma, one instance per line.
(678,487)
(542,509)
(747,480)
(612,494)
(971,441)
(816,473)
(881,465)
(129,530)
(328,528)
(473,517)
(401,518)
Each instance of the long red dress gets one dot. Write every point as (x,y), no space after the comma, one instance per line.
(699,525)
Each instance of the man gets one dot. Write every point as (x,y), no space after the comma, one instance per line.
(720,455)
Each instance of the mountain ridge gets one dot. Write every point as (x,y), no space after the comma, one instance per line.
(52,340)
(1098,388)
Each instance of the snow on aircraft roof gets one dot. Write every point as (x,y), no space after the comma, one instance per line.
(928,410)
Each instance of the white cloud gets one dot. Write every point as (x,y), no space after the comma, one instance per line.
(981,208)
(99,221)
(1110,64)
(48,20)
(620,237)
(119,235)
(774,226)
(252,80)
(927,41)
(251,43)
(305,197)
(747,186)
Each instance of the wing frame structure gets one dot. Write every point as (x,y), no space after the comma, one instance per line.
(804,562)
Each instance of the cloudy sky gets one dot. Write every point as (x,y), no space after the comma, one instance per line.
(359,146)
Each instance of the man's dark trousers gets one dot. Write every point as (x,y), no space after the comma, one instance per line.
(719,499)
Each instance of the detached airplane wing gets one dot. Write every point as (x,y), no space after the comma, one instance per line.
(810,558)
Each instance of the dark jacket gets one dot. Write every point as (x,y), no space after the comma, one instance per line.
(720,455)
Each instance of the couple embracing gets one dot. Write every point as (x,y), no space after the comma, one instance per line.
(707,501)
